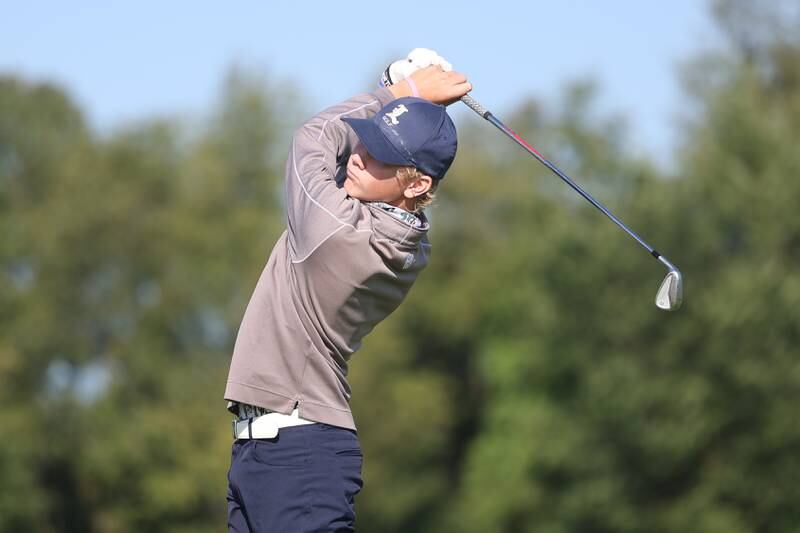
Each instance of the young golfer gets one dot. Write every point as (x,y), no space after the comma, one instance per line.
(357,176)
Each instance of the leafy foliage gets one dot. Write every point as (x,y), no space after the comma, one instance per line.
(528,384)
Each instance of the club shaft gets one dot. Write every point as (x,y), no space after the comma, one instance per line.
(475,106)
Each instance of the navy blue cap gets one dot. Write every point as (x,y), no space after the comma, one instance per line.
(410,131)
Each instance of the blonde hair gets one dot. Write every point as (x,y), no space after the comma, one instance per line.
(407,175)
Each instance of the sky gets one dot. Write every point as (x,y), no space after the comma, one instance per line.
(126,61)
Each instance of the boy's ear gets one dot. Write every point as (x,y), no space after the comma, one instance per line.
(418,187)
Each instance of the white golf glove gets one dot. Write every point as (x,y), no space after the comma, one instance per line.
(418,58)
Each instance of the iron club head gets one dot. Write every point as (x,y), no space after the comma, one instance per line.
(670,294)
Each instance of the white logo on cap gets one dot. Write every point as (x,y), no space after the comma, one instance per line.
(394,115)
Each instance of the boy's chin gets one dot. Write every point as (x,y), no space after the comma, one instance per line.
(354,192)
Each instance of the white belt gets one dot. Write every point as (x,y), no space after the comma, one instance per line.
(267,426)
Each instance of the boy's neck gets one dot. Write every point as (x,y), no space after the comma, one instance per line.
(406,204)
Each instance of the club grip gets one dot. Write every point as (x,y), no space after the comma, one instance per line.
(475,105)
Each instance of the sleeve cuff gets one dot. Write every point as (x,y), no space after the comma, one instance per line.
(384,95)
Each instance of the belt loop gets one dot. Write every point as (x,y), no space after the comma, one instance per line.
(250,427)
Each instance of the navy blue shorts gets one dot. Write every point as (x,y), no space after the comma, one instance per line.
(303,480)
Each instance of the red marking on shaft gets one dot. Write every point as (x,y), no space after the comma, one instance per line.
(525,143)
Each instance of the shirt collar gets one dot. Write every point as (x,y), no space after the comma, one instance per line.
(401,214)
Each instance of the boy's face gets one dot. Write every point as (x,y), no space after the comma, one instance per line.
(371,180)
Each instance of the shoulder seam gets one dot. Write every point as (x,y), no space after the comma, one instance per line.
(315,202)
(314,249)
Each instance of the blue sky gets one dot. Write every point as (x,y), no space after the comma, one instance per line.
(124,61)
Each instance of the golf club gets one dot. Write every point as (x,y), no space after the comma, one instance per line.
(670,293)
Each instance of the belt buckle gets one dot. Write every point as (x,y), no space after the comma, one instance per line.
(249,428)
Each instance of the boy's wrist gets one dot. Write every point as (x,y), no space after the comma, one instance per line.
(400,89)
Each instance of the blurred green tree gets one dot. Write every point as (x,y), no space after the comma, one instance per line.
(126,266)
(528,384)
(585,409)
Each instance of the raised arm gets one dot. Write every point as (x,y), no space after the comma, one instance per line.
(315,205)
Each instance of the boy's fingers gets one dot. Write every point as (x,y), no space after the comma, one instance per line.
(460,89)
(463,88)
(438,85)
(456,77)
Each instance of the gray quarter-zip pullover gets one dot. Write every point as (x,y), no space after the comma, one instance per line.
(340,267)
